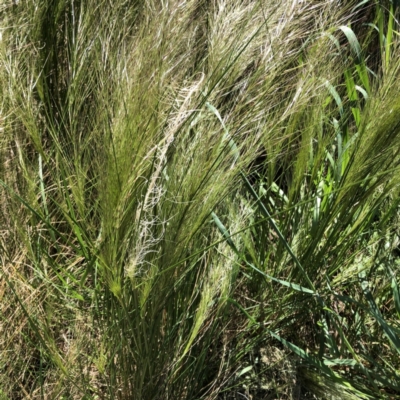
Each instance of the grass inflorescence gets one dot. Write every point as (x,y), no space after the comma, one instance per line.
(199,199)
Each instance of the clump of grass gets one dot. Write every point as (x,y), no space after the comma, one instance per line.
(190,188)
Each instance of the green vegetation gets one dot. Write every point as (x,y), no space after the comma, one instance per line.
(199,199)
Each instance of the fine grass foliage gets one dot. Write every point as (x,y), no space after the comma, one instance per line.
(199,199)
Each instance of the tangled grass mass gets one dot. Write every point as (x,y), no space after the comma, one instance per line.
(199,199)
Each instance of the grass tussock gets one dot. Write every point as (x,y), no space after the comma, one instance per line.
(199,199)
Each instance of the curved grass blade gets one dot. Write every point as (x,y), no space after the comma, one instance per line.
(388,330)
